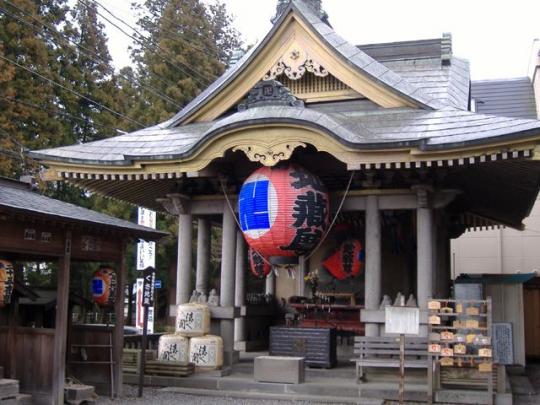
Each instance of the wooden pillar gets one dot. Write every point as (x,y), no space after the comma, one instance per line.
(118,342)
(183,275)
(203,255)
(228,256)
(240,287)
(12,334)
(60,336)
(373,260)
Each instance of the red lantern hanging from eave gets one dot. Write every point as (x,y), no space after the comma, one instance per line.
(347,261)
(104,287)
(7,281)
(283,212)
(259,266)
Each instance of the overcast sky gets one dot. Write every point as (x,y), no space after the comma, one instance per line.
(496,36)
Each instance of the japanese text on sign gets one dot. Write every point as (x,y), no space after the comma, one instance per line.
(146,251)
(148,287)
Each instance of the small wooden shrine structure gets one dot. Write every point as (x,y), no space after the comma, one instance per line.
(387,128)
(40,229)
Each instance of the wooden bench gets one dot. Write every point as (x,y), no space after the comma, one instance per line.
(384,352)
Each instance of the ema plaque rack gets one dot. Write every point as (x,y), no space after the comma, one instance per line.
(460,345)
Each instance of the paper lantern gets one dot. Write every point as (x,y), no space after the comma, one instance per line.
(104,287)
(347,261)
(283,212)
(7,280)
(259,267)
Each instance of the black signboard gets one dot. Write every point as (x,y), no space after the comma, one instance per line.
(148,287)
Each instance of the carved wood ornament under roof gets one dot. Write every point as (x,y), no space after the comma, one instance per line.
(294,64)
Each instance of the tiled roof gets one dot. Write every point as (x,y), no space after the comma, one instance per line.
(347,122)
(506,97)
(15,197)
(350,53)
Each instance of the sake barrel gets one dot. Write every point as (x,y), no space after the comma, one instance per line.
(7,275)
(192,320)
(206,352)
(173,348)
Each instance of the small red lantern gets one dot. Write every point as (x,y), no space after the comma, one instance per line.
(259,267)
(7,280)
(104,287)
(283,212)
(347,261)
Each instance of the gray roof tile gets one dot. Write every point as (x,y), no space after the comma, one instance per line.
(15,198)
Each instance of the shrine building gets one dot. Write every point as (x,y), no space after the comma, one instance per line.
(386,128)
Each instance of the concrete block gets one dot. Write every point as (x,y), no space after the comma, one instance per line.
(78,392)
(278,369)
(8,388)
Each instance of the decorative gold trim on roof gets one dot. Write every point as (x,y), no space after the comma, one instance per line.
(294,64)
(269,153)
(294,34)
(256,142)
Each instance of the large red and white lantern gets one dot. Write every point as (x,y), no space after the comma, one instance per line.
(283,212)
(104,287)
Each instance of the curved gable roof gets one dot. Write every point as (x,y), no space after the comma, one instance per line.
(348,54)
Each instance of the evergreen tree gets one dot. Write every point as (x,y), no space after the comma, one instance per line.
(183,45)
(26,100)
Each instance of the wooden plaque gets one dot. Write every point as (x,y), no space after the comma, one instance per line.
(434,320)
(473,311)
(447,362)
(470,338)
(460,338)
(447,352)
(460,349)
(434,348)
(471,323)
(447,335)
(447,310)
(459,308)
(434,305)
(457,324)
(485,352)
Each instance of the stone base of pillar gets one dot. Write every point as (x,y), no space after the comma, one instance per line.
(372,330)
(227,334)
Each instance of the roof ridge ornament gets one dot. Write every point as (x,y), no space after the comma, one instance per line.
(294,64)
(314,5)
(269,93)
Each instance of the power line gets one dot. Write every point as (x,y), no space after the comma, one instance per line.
(60,113)
(72,91)
(141,42)
(84,50)
(174,35)
(203,77)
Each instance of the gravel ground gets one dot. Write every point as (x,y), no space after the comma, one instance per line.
(157,397)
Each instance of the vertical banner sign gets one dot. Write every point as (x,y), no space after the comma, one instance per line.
(146,251)
(147,303)
(146,257)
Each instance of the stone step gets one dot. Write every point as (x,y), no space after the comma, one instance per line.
(8,388)
(471,397)
(314,399)
(390,391)
(19,399)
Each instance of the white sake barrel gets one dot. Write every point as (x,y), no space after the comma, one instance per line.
(173,348)
(192,320)
(206,352)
